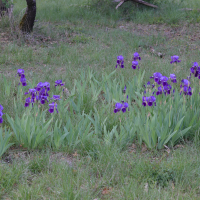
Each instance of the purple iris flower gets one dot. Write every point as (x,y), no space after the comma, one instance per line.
(121,107)
(46,85)
(120,61)
(164,80)
(185,82)
(187,90)
(52,106)
(20,72)
(136,56)
(39,86)
(118,107)
(43,99)
(173,78)
(157,76)
(59,83)
(27,102)
(148,101)
(1,107)
(159,91)
(31,92)
(56,97)
(23,81)
(1,114)
(195,69)
(124,90)
(125,106)
(167,89)
(135,64)
(175,59)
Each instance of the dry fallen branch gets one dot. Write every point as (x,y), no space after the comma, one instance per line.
(189,9)
(136,1)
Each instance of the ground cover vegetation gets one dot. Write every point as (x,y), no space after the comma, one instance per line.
(99,103)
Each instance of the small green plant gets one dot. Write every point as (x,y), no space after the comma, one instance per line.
(38,164)
(4,140)
(30,130)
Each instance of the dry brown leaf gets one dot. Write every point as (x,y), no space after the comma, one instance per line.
(146,187)
(173,186)
(178,146)
(144,148)
(106,190)
(75,154)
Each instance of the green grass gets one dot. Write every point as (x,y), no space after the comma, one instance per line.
(119,175)
(69,37)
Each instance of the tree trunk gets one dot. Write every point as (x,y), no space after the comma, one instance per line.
(27,22)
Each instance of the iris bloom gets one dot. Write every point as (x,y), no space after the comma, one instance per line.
(136,56)
(175,59)
(43,99)
(167,89)
(135,64)
(124,90)
(164,80)
(185,87)
(195,69)
(173,78)
(39,86)
(120,61)
(159,91)
(59,83)
(23,81)
(157,76)
(56,97)
(46,85)
(20,72)
(1,114)
(53,106)
(27,102)
(148,101)
(185,82)
(121,107)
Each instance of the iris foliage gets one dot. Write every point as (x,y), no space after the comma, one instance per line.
(105,111)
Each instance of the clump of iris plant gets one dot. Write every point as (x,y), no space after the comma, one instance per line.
(120,61)
(123,106)
(1,114)
(185,87)
(20,73)
(38,94)
(195,69)
(162,81)
(175,59)
(150,101)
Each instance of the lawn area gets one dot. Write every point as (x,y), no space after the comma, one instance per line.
(99,141)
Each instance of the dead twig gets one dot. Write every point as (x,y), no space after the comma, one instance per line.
(136,1)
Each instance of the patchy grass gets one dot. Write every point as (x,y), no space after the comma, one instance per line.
(110,175)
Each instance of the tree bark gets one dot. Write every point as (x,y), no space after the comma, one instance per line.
(27,22)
